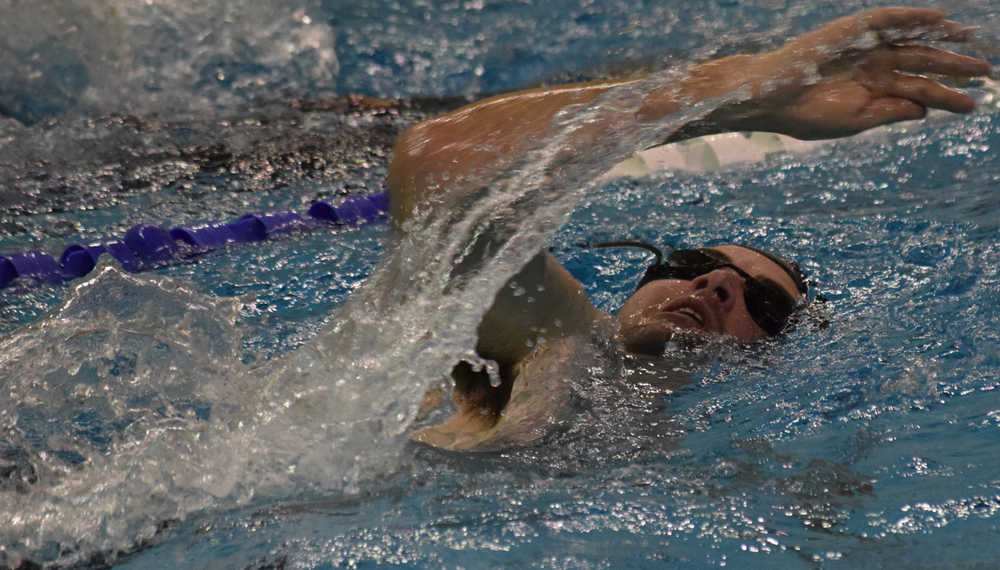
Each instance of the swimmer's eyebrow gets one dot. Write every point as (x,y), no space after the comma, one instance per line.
(720,255)
(790,268)
(763,279)
(730,261)
(725,258)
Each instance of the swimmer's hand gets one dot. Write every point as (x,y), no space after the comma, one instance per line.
(859,72)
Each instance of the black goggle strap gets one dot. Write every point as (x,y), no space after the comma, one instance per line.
(632,243)
(658,269)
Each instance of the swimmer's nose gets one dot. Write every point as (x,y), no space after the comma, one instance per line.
(722,286)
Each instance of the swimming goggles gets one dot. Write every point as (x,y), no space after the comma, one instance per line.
(768,304)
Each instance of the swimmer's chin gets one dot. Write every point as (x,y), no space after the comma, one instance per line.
(652,340)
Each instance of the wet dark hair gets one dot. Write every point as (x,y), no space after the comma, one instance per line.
(790,267)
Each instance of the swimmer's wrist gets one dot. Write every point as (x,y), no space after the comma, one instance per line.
(765,85)
(739,78)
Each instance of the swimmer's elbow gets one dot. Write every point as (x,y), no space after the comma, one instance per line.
(404,192)
(424,166)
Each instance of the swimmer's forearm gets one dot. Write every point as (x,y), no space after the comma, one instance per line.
(463,150)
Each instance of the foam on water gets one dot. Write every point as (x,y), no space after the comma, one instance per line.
(334,413)
(180,55)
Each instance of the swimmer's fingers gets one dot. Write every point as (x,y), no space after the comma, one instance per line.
(899,17)
(875,29)
(929,93)
(926,59)
(899,24)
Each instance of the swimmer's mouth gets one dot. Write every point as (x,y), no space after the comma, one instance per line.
(687,311)
(690,313)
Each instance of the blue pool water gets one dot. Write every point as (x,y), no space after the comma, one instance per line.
(237,411)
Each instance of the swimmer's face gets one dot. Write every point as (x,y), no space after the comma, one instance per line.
(709,304)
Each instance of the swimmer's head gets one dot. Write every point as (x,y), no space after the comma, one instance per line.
(732,290)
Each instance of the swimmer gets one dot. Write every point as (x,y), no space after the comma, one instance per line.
(847,76)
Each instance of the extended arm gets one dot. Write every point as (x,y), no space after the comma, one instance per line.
(847,76)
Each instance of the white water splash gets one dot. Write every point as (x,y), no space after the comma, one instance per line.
(185,427)
(160,55)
